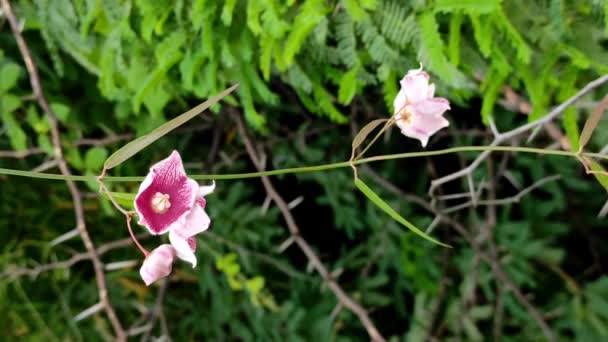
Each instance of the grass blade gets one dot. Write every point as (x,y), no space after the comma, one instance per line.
(369,193)
(142,142)
(592,122)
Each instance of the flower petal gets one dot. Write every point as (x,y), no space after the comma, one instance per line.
(433,107)
(423,127)
(400,101)
(431,91)
(166,177)
(195,222)
(415,85)
(183,248)
(158,264)
(206,189)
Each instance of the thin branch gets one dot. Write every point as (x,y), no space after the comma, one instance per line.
(12,273)
(505,136)
(503,278)
(504,201)
(21,154)
(63,166)
(294,230)
(157,309)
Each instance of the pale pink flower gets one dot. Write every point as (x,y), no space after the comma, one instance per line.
(418,113)
(158,264)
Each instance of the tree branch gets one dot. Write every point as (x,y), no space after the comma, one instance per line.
(63,167)
(294,230)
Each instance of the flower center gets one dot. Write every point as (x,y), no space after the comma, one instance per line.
(160,203)
(405,116)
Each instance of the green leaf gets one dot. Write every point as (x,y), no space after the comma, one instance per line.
(601,178)
(365,131)
(255,284)
(16,135)
(391,212)
(348,86)
(94,158)
(592,122)
(123,198)
(142,142)
(9,74)
(61,111)
(467,6)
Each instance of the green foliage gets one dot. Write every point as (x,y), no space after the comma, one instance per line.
(118,67)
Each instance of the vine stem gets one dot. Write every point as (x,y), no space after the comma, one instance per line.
(134,238)
(317,168)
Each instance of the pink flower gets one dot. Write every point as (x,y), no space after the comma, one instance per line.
(169,201)
(158,264)
(166,196)
(418,113)
(197,221)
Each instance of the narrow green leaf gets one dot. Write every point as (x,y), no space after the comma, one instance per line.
(9,74)
(467,6)
(94,158)
(592,122)
(142,142)
(8,104)
(391,212)
(601,178)
(123,198)
(348,86)
(365,131)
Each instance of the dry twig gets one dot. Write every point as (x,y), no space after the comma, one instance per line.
(500,138)
(63,167)
(344,299)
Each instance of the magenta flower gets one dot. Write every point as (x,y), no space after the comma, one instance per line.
(418,113)
(169,201)
(166,196)
(158,264)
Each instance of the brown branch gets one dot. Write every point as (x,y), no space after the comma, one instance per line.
(14,273)
(21,154)
(103,141)
(294,230)
(63,167)
(500,274)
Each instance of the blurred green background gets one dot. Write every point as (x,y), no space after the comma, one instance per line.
(311,74)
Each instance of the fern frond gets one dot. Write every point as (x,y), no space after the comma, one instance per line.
(504,26)
(483,33)
(396,23)
(455,35)
(467,6)
(311,13)
(347,42)
(431,50)
(377,46)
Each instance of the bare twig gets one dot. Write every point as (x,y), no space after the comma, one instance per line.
(21,154)
(294,230)
(504,201)
(75,193)
(505,136)
(156,311)
(104,141)
(13,273)
(502,277)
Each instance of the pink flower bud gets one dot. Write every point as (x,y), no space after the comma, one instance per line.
(158,264)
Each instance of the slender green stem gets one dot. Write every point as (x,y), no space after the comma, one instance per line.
(317,168)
